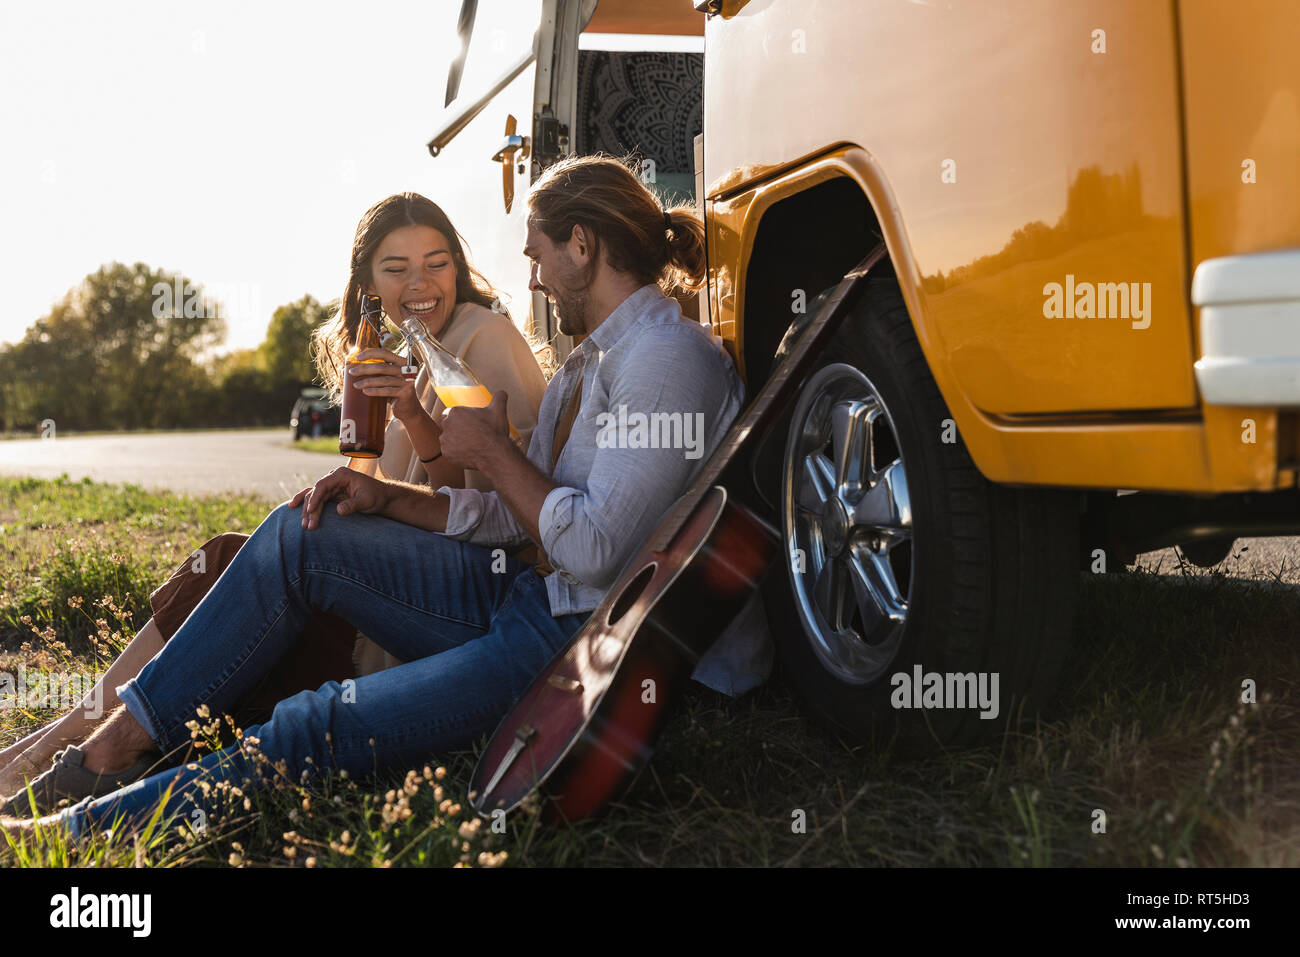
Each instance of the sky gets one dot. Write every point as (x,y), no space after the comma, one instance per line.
(238,142)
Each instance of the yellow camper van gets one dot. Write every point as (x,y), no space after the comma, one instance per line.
(1084,344)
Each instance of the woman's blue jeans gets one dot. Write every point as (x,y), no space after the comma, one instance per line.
(474,626)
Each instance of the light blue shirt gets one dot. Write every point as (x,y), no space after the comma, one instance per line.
(659,393)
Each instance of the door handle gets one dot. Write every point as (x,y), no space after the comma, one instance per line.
(512,143)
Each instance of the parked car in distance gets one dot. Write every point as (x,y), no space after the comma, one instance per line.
(313,415)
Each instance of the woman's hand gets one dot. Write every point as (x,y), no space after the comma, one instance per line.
(385,378)
(355,492)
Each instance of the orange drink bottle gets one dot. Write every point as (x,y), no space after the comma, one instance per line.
(452,380)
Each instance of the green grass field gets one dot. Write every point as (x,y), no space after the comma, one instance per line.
(1149,728)
(327,443)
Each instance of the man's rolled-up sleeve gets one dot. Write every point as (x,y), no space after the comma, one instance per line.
(556,514)
(591,534)
(480,518)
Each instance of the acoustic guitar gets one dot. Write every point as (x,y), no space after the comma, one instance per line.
(585,726)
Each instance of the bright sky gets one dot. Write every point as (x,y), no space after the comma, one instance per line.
(237,141)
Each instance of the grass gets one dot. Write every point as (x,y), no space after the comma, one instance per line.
(1149,731)
(80,540)
(326,443)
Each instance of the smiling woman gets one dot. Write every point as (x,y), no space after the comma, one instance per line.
(407,252)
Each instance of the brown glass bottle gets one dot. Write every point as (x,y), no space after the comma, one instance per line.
(363,418)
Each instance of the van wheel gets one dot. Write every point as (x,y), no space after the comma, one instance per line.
(899,555)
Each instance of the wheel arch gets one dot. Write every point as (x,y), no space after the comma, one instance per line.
(804,229)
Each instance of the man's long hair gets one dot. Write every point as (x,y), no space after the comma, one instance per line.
(623,215)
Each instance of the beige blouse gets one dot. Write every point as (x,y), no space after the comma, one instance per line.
(501,358)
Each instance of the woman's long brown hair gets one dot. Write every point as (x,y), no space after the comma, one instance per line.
(332,340)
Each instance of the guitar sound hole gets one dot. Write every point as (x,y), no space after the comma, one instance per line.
(632,592)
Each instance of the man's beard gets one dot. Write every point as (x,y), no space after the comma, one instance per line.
(571,313)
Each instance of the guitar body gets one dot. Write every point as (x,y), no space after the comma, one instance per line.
(586,724)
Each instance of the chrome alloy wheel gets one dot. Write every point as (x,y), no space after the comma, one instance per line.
(847,524)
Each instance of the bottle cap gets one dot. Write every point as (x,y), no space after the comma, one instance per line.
(372,311)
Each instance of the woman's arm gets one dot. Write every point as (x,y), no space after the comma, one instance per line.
(425,435)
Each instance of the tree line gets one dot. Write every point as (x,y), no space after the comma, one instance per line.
(119,352)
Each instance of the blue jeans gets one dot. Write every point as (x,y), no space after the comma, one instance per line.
(474,627)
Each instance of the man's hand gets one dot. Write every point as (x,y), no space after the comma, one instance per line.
(355,492)
(473,437)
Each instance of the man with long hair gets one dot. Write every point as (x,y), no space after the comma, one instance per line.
(433,576)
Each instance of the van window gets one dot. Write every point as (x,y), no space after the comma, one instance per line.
(643,94)
(500,32)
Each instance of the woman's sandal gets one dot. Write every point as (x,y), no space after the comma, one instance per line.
(69,779)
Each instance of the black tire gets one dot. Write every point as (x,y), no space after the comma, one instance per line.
(991,579)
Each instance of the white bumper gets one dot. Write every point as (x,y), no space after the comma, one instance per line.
(1250,328)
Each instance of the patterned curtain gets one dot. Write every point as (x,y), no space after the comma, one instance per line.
(651,103)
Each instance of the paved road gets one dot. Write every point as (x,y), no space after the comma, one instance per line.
(262,463)
(265,463)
